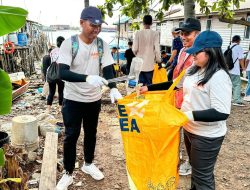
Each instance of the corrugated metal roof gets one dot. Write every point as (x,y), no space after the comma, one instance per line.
(123,20)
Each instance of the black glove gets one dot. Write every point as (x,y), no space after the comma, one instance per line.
(168,64)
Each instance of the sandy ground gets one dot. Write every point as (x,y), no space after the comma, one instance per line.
(232,170)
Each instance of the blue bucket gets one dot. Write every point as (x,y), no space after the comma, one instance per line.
(132,83)
(22,39)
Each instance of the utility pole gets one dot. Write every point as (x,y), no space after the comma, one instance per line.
(86,3)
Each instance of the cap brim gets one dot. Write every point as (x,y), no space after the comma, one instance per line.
(193,50)
(184,29)
(95,23)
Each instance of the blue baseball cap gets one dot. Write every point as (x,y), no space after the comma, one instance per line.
(206,39)
(93,14)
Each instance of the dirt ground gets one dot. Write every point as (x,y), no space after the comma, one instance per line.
(232,170)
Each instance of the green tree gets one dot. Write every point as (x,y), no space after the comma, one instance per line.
(134,8)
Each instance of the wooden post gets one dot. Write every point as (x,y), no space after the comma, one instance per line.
(48,174)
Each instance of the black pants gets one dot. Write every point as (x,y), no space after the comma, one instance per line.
(146,77)
(202,152)
(52,90)
(74,113)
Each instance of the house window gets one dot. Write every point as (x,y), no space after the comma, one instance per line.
(208,27)
(247,34)
(180,23)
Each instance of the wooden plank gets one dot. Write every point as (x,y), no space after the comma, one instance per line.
(48,173)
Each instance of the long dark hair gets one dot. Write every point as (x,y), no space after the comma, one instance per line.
(215,62)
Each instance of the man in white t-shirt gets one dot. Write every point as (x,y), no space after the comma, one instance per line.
(146,45)
(238,59)
(82,93)
(247,66)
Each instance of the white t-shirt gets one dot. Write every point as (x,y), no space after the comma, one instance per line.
(216,93)
(146,45)
(86,62)
(54,54)
(237,52)
(248,58)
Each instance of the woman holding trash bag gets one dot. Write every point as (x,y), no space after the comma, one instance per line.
(207,103)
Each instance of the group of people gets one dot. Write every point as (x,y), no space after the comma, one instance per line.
(204,95)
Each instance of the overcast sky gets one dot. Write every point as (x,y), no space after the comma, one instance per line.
(49,12)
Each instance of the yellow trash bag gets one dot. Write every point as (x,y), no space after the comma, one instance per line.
(150,127)
(159,75)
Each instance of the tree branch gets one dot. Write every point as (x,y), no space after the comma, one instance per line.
(234,21)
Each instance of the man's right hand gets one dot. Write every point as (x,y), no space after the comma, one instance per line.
(96,80)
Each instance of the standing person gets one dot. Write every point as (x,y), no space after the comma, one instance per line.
(207,103)
(45,65)
(238,59)
(147,46)
(82,93)
(129,55)
(176,48)
(60,84)
(247,66)
(189,30)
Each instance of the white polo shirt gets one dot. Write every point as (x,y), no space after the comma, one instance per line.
(216,93)
(237,52)
(86,62)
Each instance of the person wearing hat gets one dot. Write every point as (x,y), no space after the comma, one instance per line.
(188,31)
(176,47)
(82,93)
(207,90)
(146,45)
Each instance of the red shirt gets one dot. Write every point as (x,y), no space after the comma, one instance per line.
(183,63)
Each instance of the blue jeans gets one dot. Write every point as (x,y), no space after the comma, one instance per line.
(248,84)
(236,82)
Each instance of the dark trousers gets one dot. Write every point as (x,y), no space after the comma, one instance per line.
(146,77)
(52,90)
(74,113)
(202,153)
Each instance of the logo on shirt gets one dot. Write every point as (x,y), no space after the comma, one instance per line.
(94,55)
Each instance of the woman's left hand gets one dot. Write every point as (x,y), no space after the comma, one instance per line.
(143,89)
